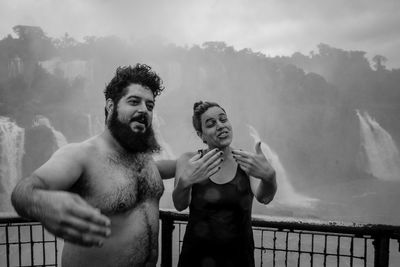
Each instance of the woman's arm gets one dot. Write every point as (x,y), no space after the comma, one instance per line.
(191,168)
(262,174)
(264,189)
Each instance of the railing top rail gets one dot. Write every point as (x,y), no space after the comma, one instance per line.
(291,223)
(12,217)
(281,223)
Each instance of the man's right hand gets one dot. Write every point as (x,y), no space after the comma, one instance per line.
(68,216)
(199,168)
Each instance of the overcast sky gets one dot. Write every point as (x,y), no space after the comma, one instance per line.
(273,27)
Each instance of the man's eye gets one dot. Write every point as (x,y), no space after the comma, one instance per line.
(224,119)
(150,107)
(133,102)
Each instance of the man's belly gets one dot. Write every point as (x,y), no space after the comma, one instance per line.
(133,242)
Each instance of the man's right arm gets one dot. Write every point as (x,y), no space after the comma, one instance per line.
(42,197)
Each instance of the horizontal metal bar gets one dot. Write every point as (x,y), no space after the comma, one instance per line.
(298,224)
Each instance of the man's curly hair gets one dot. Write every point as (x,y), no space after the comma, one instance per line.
(141,74)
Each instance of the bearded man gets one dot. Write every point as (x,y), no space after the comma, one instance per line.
(102,195)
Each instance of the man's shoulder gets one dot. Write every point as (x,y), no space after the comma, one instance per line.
(78,149)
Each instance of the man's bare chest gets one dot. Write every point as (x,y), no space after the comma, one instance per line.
(116,187)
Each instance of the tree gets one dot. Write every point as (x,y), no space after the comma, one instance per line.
(32,44)
(379,62)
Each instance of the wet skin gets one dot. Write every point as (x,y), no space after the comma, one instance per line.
(99,196)
(126,187)
(129,196)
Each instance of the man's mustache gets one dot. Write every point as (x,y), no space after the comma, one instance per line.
(141,118)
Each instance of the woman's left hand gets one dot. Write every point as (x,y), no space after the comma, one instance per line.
(255,165)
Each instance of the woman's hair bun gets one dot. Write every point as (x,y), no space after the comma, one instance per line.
(197,104)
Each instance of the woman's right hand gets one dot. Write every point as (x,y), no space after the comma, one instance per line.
(198,168)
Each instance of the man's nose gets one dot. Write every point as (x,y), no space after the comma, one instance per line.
(142,107)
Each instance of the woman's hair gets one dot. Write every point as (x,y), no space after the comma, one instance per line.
(198,109)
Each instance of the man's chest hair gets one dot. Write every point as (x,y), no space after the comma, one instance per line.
(123,184)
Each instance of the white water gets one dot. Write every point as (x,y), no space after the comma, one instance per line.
(166,150)
(380,149)
(11,153)
(285,195)
(70,69)
(96,126)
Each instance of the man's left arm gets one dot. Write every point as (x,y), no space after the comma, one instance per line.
(166,168)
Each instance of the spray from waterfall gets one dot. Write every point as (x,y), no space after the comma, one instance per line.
(70,69)
(285,195)
(11,153)
(95,125)
(380,149)
(166,150)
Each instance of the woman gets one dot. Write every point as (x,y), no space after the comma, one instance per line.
(218,185)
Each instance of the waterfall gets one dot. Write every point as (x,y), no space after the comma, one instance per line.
(70,69)
(166,151)
(380,149)
(11,152)
(95,124)
(285,195)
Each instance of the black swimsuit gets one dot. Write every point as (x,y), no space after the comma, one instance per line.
(219,230)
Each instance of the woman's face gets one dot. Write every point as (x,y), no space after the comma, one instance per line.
(217,130)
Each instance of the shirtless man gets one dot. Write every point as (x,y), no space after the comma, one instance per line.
(102,195)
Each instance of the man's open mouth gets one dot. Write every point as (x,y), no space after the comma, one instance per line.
(223,134)
(141,119)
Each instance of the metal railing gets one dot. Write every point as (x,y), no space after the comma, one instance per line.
(298,242)
(278,242)
(26,243)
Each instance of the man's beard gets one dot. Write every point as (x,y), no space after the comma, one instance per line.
(144,142)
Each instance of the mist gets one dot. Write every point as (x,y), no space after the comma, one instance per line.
(304,107)
(297,72)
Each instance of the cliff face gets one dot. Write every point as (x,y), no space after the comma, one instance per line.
(40,144)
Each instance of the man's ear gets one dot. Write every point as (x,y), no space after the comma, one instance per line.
(109,106)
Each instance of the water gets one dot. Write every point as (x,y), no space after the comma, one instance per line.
(70,69)
(165,154)
(380,149)
(96,125)
(166,150)
(12,150)
(286,195)
(11,153)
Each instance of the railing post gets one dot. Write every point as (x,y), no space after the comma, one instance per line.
(167,225)
(381,245)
